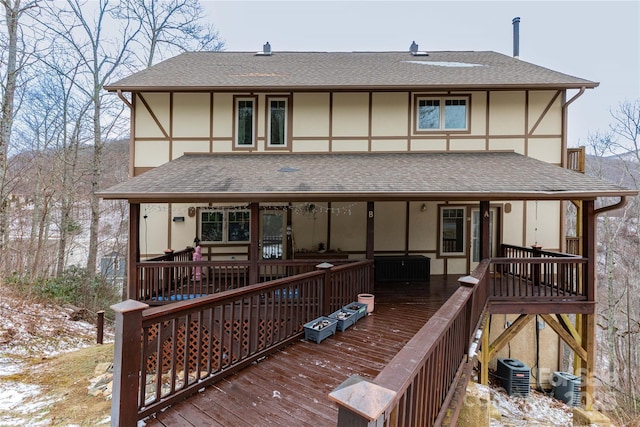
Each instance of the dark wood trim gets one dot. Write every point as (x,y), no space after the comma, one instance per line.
(254,145)
(440,132)
(370,125)
(330,130)
(154,117)
(526,122)
(169,222)
(134,249)
(407,218)
(370,230)
(485,232)
(254,248)
(171,126)
(540,307)
(211,104)
(289,117)
(544,113)
(589,247)
(329,215)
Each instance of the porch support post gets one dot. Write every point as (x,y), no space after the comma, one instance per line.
(126,362)
(254,247)
(289,234)
(485,233)
(588,320)
(370,233)
(134,251)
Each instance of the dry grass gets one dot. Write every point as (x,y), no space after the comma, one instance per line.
(67,377)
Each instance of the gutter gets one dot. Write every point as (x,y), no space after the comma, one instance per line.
(621,203)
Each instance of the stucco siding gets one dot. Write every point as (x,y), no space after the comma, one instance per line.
(507,113)
(389,228)
(222,115)
(191,114)
(544,114)
(546,149)
(350,114)
(389,114)
(151,153)
(349,228)
(310,115)
(150,121)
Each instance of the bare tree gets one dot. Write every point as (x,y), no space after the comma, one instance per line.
(14,57)
(617,158)
(170,27)
(102,55)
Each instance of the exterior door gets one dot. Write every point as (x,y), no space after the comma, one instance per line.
(475,236)
(272,237)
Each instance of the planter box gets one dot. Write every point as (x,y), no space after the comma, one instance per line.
(320,328)
(345,318)
(359,307)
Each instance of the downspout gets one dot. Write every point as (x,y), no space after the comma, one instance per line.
(623,201)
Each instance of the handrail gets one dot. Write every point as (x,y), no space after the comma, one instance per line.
(417,386)
(187,345)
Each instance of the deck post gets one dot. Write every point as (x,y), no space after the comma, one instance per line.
(126,362)
(362,403)
(254,247)
(133,287)
(370,230)
(485,231)
(588,320)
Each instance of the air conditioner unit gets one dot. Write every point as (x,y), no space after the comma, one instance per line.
(566,387)
(514,376)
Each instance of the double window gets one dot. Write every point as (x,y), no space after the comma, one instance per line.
(442,113)
(225,226)
(277,121)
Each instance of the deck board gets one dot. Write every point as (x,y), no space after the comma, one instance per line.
(291,387)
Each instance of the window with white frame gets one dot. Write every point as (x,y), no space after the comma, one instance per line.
(245,122)
(452,231)
(442,113)
(277,122)
(220,226)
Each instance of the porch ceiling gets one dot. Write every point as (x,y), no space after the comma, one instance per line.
(262,177)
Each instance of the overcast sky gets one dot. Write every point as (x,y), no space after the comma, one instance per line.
(595,40)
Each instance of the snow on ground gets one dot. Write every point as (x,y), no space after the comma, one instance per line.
(29,329)
(33,330)
(537,409)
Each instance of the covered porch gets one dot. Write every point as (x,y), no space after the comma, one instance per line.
(214,333)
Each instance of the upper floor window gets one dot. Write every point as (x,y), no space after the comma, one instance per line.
(277,122)
(245,122)
(442,113)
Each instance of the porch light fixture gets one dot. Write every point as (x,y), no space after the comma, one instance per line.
(423,208)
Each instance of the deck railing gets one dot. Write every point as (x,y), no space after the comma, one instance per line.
(187,345)
(533,274)
(161,282)
(418,386)
(576,159)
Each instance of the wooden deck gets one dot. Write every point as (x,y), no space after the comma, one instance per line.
(291,387)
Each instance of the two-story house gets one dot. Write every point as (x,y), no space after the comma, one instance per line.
(435,160)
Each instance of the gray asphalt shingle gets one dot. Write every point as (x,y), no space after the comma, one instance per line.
(360,176)
(344,70)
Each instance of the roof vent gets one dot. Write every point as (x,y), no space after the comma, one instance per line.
(414,50)
(266,50)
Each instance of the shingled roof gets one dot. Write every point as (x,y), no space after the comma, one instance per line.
(358,177)
(240,71)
